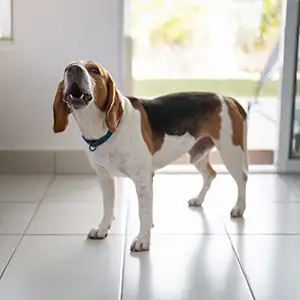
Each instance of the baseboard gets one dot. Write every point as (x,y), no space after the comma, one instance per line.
(76,162)
(18,162)
(72,162)
(44,162)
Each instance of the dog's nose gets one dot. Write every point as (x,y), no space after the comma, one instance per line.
(74,69)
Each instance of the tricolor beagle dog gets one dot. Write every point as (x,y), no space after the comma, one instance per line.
(135,137)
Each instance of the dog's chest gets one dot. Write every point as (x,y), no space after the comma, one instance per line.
(118,162)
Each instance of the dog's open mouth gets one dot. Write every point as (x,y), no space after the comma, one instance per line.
(76,98)
(75,91)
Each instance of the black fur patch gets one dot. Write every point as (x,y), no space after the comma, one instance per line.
(179,113)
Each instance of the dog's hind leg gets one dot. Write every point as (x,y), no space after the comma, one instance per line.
(233,159)
(199,157)
(232,146)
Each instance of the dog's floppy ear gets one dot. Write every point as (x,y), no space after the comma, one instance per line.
(60,110)
(114,109)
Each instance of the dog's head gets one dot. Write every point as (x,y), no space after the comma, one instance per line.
(86,82)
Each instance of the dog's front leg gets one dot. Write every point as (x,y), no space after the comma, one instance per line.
(143,183)
(108,193)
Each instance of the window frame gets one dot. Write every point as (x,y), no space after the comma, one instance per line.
(289,53)
(10,37)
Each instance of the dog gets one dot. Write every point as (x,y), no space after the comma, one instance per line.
(135,137)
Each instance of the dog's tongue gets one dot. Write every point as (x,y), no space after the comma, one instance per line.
(75,91)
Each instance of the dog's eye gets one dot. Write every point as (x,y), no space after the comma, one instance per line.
(95,71)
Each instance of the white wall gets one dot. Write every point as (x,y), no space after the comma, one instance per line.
(47,35)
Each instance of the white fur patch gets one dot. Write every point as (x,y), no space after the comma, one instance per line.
(173,147)
(89,121)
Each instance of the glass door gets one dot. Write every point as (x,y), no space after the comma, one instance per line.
(288,154)
(229,47)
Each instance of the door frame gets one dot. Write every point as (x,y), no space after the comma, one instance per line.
(289,57)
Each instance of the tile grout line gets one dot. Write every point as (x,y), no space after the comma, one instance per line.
(157,234)
(56,200)
(124,251)
(239,263)
(24,232)
(242,269)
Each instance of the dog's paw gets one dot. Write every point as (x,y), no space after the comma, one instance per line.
(140,244)
(238,211)
(195,202)
(98,233)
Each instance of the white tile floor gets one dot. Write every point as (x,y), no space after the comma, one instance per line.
(195,253)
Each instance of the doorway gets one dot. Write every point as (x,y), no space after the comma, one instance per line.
(179,45)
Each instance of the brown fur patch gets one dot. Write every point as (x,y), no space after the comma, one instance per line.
(154,143)
(211,125)
(237,121)
(100,94)
(200,149)
(101,88)
(60,110)
(240,108)
(106,95)
(211,171)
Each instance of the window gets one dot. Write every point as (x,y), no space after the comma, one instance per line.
(5,19)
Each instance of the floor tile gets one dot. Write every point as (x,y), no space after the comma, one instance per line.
(75,217)
(271,264)
(269,188)
(265,218)
(181,187)
(293,181)
(271,206)
(260,188)
(74,187)
(15,217)
(80,188)
(172,215)
(184,267)
(23,188)
(8,243)
(64,267)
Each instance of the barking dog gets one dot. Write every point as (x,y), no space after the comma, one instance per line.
(135,137)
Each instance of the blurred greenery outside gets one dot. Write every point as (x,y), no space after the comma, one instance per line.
(5,38)
(172,37)
(234,87)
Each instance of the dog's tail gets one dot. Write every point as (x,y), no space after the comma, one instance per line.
(241,109)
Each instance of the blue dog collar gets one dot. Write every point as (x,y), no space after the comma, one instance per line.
(93,144)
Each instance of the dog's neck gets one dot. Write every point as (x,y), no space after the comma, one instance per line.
(91,121)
